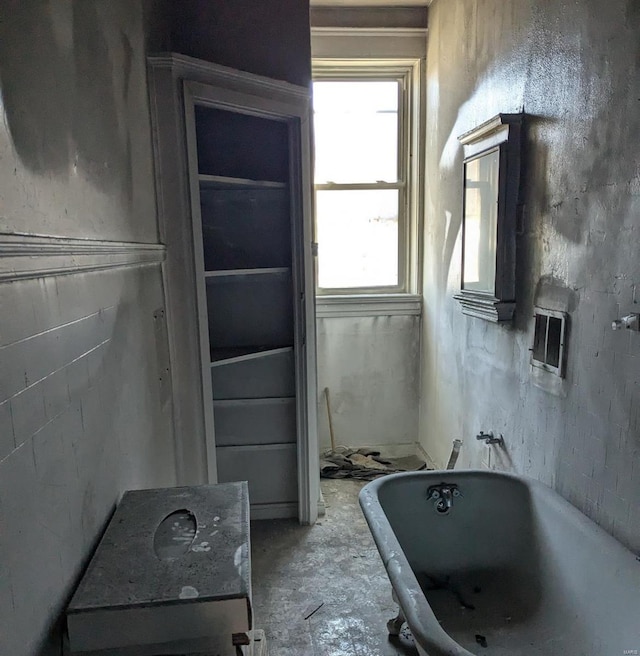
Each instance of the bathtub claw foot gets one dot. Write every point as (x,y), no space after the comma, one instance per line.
(394,625)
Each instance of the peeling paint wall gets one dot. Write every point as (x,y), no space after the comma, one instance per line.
(81,411)
(370,365)
(76,144)
(575,68)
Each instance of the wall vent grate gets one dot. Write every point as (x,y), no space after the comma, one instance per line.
(549,337)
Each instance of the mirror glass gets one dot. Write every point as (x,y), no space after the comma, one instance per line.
(480,222)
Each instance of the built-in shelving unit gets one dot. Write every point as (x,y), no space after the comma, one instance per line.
(238,277)
(245,222)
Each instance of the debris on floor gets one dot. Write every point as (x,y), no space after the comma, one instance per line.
(364,464)
(312,608)
(295,568)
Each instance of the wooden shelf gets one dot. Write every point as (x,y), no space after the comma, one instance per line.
(242,403)
(221,356)
(226,273)
(221,182)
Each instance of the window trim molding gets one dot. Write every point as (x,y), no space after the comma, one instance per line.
(368,305)
(410,72)
(368,43)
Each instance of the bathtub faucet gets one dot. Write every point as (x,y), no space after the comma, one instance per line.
(442,496)
(489,438)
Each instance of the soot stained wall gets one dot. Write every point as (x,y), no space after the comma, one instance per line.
(575,70)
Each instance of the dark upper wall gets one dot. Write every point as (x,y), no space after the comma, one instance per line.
(267,38)
(575,68)
(369,17)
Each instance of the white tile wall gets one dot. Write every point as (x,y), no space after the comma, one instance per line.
(80,421)
(80,413)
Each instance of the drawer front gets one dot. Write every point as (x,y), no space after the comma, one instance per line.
(271,471)
(255,421)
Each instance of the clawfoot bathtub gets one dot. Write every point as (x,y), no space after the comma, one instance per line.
(490,563)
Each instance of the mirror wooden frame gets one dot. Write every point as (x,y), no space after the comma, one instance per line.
(501,134)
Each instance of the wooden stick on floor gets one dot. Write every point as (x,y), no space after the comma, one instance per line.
(333,439)
(455,452)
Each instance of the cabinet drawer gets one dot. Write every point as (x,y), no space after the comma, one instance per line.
(255,421)
(271,471)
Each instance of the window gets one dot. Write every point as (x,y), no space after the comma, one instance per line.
(548,341)
(365,207)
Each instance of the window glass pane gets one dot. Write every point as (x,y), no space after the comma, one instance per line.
(357,238)
(480,222)
(356,131)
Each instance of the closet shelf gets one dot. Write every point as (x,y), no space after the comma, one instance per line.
(227,273)
(221,182)
(256,403)
(221,356)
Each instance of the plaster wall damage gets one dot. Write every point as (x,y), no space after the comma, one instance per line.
(370,365)
(574,69)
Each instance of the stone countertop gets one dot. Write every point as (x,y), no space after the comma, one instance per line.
(128,569)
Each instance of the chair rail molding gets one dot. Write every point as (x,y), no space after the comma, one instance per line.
(28,256)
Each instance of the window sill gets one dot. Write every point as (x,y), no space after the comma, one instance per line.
(369,305)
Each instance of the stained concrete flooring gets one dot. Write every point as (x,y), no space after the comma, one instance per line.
(334,562)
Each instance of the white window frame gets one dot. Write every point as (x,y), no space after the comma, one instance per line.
(408,72)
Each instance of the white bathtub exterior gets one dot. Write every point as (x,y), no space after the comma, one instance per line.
(580,587)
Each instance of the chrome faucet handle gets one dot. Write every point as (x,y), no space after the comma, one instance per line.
(489,438)
(630,321)
(442,495)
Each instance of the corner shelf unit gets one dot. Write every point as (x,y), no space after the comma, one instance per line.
(246,233)
(234,190)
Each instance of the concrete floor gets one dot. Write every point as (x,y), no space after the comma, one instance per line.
(336,563)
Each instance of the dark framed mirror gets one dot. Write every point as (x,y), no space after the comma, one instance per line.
(492,154)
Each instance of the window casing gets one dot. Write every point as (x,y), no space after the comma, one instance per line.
(404,185)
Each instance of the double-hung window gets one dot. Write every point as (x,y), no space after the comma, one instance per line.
(365,170)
